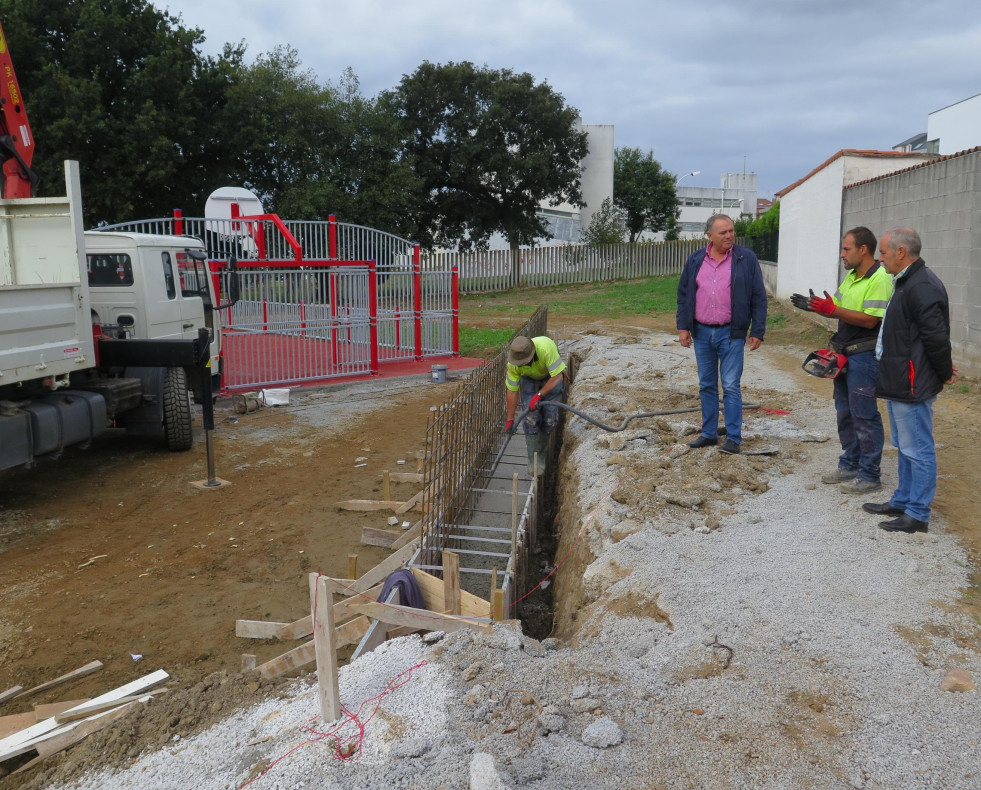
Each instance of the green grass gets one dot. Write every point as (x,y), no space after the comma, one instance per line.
(475,342)
(774,320)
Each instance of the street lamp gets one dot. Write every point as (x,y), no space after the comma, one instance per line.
(681,178)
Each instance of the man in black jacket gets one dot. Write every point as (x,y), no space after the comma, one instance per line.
(914,364)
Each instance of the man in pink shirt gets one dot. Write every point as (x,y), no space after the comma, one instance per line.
(721,301)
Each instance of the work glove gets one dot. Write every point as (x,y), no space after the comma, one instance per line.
(535,400)
(802,302)
(509,425)
(824,306)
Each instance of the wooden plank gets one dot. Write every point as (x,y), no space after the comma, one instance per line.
(376,633)
(418,618)
(406,477)
(432,593)
(322,606)
(16,722)
(407,536)
(88,669)
(347,634)
(10,693)
(372,536)
(378,574)
(352,566)
(57,743)
(304,626)
(412,504)
(366,505)
(451,582)
(257,629)
(498,605)
(402,630)
(90,708)
(22,741)
(50,709)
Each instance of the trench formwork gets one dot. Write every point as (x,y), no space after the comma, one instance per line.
(479,499)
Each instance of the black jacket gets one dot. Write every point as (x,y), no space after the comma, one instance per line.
(916,358)
(747,291)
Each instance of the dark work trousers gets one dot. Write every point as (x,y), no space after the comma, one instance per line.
(859,423)
(546,416)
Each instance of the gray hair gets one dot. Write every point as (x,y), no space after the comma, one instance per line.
(710,222)
(906,238)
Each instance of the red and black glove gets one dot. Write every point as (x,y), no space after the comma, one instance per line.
(535,400)
(824,306)
(508,425)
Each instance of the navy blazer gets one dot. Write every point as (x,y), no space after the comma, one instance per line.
(748,293)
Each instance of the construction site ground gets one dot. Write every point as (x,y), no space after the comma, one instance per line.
(109,553)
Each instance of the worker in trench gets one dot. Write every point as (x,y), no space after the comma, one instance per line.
(536,373)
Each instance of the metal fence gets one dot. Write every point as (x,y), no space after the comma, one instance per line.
(496,270)
(308,312)
(462,440)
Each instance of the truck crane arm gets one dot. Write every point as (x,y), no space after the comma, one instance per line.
(16,140)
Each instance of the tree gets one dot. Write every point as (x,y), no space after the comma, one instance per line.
(119,86)
(644,191)
(488,146)
(607,225)
(767,222)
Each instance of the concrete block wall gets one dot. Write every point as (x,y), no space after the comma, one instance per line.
(942,202)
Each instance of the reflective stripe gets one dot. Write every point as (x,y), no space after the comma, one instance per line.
(556,366)
(874,304)
(838,297)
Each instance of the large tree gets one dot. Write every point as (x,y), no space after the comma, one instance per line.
(644,191)
(488,146)
(121,87)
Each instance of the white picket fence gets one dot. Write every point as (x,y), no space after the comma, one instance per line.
(482,272)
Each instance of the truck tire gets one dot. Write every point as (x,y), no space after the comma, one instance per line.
(177,410)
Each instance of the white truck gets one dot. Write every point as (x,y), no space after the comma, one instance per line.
(98,329)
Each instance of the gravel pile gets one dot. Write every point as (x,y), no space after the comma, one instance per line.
(759,640)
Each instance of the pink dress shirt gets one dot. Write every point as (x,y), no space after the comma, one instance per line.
(713,290)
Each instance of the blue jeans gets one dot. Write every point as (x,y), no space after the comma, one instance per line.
(718,354)
(912,433)
(859,422)
(546,416)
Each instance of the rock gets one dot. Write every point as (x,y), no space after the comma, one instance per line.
(483,774)
(472,671)
(411,747)
(618,460)
(602,733)
(676,451)
(551,643)
(813,437)
(810,487)
(624,529)
(713,522)
(432,637)
(551,722)
(527,769)
(958,680)
(602,574)
(703,530)
(475,696)
(503,637)
(680,498)
(617,443)
(579,692)
(585,705)
(532,647)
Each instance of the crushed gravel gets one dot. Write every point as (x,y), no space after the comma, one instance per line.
(757,639)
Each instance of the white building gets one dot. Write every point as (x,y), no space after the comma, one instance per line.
(955,128)
(810,217)
(735,196)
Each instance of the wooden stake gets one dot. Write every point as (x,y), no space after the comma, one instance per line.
(386,485)
(451,582)
(497,604)
(322,604)
(10,693)
(493,589)
(352,566)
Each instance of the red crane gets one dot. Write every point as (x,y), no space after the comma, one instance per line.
(16,140)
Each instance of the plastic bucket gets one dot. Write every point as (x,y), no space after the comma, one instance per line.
(439,374)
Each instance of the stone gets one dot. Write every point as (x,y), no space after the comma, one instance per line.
(432,637)
(680,498)
(579,692)
(532,647)
(585,705)
(624,529)
(551,643)
(617,443)
(958,680)
(411,747)
(483,774)
(551,722)
(703,530)
(527,769)
(602,733)
(676,451)
(472,671)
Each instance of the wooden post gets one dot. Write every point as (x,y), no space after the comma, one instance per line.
(451,582)
(490,597)
(497,606)
(352,566)
(322,605)
(386,487)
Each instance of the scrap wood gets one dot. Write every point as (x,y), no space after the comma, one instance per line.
(257,629)
(62,740)
(372,536)
(15,722)
(10,693)
(370,504)
(405,477)
(47,710)
(88,669)
(91,560)
(348,634)
(90,708)
(24,741)
(411,504)
(419,618)
(304,626)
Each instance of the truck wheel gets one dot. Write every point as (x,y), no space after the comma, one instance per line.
(176,410)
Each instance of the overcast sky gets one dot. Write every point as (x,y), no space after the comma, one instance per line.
(709,85)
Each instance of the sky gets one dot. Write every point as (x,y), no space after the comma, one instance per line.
(767,86)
